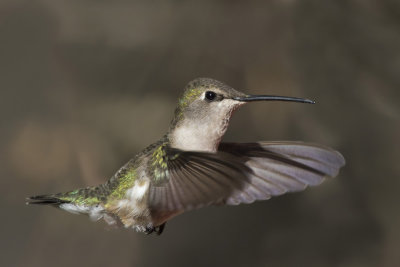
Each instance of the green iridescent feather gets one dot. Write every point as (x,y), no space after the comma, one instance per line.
(188,97)
(125,182)
(159,162)
(85,196)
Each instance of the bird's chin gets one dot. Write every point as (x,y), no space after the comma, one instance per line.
(225,121)
(235,106)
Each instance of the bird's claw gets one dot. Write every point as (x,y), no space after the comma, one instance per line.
(158,229)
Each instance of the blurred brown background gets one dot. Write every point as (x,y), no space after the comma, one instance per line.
(87,84)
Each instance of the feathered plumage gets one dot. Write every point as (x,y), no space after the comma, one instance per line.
(189,168)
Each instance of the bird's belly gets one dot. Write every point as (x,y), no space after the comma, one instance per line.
(133,211)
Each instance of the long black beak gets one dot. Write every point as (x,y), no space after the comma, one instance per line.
(250,98)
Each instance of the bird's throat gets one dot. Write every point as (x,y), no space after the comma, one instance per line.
(195,137)
(203,133)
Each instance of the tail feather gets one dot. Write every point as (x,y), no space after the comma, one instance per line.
(88,196)
(46,200)
(81,201)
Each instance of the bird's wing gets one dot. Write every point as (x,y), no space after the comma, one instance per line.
(237,173)
(280,167)
(187,180)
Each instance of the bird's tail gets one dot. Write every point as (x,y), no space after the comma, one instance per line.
(54,199)
(76,201)
(89,201)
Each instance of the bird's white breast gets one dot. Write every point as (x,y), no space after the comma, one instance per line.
(139,190)
(134,208)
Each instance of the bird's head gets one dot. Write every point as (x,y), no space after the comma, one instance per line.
(203,113)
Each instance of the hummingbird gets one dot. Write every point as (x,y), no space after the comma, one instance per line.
(190,168)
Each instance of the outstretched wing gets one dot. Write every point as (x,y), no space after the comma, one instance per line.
(238,173)
(280,167)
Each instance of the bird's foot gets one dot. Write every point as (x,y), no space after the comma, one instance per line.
(159,229)
(151,229)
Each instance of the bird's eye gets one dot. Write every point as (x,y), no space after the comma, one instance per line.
(210,95)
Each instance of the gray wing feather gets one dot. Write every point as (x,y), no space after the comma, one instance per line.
(198,179)
(241,173)
(280,167)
